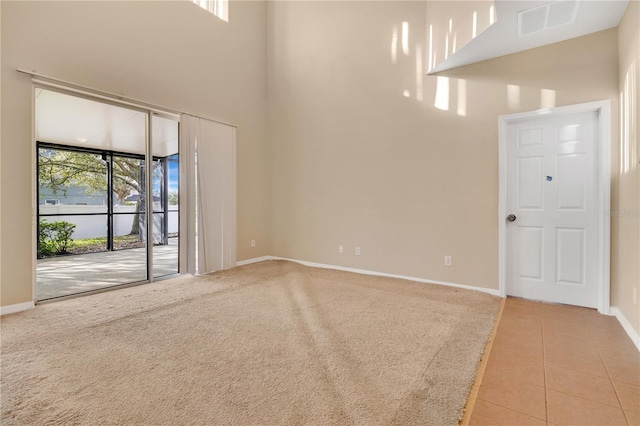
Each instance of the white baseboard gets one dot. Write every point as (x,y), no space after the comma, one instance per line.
(384,274)
(631,332)
(18,307)
(254,260)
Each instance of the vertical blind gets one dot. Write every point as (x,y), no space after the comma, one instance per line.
(207,196)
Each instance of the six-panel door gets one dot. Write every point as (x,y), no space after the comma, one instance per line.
(552,246)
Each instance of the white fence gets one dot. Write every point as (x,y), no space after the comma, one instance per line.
(96,226)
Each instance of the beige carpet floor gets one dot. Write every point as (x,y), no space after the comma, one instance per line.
(272,343)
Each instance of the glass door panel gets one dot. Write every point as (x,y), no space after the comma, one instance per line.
(92,201)
(165,189)
(75,272)
(129,228)
(91,230)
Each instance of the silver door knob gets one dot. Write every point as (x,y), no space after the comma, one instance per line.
(511,218)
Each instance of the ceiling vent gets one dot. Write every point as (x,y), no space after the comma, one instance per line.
(547,16)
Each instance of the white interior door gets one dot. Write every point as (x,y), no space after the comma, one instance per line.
(552,193)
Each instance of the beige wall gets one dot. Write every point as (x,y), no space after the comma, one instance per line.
(353,147)
(451,25)
(625,264)
(358,163)
(167,53)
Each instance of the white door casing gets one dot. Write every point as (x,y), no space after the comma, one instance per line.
(554,177)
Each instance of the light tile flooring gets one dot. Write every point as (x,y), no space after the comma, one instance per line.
(558,365)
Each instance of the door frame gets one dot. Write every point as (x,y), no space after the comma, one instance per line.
(39,81)
(603,201)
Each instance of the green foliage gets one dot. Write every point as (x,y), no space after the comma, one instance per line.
(99,243)
(173,198)
(59,169)
(55,237)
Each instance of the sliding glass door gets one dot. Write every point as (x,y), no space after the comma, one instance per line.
(165,190)
(92,186)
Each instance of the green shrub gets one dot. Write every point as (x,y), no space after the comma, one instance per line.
(55,237)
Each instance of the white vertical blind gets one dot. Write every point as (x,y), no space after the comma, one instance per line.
(208,195)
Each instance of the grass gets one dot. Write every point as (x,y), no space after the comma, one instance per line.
(102,241)
(99,244)
(93,245)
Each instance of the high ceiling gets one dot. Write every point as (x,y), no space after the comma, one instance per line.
(71,120)
(523,25)
(520,25)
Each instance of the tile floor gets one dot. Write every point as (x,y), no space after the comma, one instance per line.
(559,365)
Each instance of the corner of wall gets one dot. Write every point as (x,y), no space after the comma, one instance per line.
(625,271)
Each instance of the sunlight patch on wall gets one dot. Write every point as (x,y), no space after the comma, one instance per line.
(405,38)
(462,97)
(474,29)
(400,41)
(219,8)
(394,46)
(628,122)
(446,47)
(547,98)
(430,47)
(447,38)
(513,96)
(451,25)
(442,94)
(419,73)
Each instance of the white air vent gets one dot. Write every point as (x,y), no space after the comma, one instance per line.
(547,16)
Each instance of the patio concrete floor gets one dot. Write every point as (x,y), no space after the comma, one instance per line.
(65,275)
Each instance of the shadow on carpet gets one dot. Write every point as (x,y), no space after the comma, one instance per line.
(271,343)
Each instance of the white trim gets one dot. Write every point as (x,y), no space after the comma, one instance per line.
(502,206)
(604,228)
(18,307)
(34,196)
(603,108)
(384,274)
(254,260)
(633,335)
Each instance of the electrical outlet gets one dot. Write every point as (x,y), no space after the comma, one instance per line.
(340,249)
(448,261)
(253,243)
(357,251)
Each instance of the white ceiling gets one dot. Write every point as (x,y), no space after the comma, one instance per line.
(502,38)
(71,120)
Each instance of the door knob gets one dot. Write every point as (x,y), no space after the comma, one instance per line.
(511,218)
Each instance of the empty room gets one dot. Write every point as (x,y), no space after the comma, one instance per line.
(320,212)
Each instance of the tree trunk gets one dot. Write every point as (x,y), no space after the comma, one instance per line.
(138,227)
